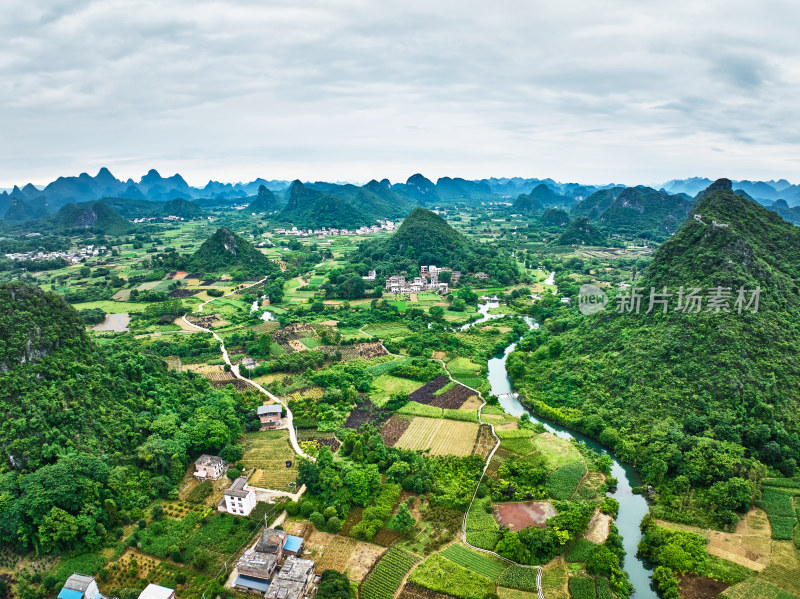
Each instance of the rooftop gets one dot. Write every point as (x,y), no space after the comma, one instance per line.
(207,460)
(237,488)
(274,408)
(257,564)
(154,591)
(271,540)
(293,543)
(78,582)
(257,584)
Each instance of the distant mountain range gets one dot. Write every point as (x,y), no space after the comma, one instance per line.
(765,192)
(655,212)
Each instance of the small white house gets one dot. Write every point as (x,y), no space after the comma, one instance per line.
(79,586)
(209,467)
(154,591)
(239,500)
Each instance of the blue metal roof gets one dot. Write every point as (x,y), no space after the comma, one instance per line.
(69,594)
(293,543)
(252,583)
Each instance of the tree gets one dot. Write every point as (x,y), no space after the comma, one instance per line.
(317,519)
(403,522)
(733,494)
(333,585)
(334,525)
(602,562)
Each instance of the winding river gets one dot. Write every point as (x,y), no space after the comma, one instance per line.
(632,508)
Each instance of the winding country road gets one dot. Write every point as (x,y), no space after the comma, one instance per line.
(289,420)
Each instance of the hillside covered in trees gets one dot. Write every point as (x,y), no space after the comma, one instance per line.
(226,252)
(426,238)
(700,402)
(309,208)
(635,211)
(92,434)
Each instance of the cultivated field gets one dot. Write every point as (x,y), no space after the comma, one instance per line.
(442,437)
(749,546)
(267,452)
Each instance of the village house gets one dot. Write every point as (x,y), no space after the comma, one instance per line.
(398,284)
(240,500)
(257,565)
(482,276)
(79,586)
(270,416)
(154,591)
(209,467)
(370,276)
(294,580)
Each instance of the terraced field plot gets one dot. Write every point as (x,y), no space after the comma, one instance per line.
(442,437)
(267,452)
(559,452)
(386,385)
(388,330)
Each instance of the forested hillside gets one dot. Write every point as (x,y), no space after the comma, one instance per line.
(227,253)
(92,434)
(309,208)
(699,402)
(426,238)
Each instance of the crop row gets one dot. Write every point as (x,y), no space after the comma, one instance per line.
(489,567)
(385,578)
(427,393)
(562,483)
(519,577)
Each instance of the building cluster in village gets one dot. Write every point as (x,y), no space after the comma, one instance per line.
(151,219)
(427,281)
(71,256)
(383,225)
(273,568)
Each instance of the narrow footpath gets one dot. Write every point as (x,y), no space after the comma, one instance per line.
(289,420)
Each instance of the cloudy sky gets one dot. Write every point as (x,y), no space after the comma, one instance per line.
(591,91)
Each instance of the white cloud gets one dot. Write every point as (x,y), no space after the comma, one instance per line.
(589,91)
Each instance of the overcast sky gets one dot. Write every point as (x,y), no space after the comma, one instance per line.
(590,91)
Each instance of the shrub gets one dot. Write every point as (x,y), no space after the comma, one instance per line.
(317,519)
(307,508)
(292,508)
(142,524)
(330,512)
(334,525)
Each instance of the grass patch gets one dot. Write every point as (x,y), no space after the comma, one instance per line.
(580,550)
(482,529)
(558,452)
(385,385)
(439,574)
(477,562)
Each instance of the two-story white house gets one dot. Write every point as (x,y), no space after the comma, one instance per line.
(239,500)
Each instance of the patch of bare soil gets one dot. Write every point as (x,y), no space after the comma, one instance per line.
(699,587)
(599,527)
(523,514)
